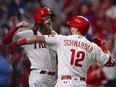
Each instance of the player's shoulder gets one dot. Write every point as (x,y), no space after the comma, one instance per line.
(57,36)
(96,47)
(24,33)
(39,33)
(54,33)
(24,30)
(89,42)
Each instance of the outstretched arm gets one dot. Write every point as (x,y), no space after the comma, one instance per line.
(24,41)
(9,35)
(31,40)
(104,48)
(52,41)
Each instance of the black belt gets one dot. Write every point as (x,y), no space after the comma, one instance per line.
(46,72)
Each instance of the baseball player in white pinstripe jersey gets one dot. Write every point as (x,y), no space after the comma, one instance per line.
(43,61)
(75,52)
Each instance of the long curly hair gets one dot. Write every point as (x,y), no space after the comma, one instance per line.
(42,28)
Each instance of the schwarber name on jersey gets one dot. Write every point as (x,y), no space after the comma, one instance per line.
(75,54)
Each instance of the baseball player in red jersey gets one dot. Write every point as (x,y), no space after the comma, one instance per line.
(75,53)
(43,61)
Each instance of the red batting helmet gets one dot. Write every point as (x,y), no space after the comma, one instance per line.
(81,23)
(38,15)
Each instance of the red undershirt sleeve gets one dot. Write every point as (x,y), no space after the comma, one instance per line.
(9,35)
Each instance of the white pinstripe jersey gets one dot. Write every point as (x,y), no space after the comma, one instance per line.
(75,54)
(41,58)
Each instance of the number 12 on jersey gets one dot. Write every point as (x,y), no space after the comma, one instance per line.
(80,55)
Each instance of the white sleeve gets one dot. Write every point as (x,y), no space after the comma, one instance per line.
(22,34)
(54,33)
(101,57)
(53,41)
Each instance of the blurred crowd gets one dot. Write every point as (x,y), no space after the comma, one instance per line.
(101,13)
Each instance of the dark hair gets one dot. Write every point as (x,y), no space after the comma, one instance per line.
(35,29)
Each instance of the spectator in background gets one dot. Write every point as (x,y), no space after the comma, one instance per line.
(21,66)
(3,17)
(59,26)
(71,8)
(24,72)
(29,9)
(5,70)
(3,12)
(111,11)
(16,8)
(101,76)
(48,3)
(95,76)
(91,10)
(58,7)
(102,25)
(28,16)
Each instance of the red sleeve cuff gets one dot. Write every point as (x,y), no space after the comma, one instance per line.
(22,41)
(110,63)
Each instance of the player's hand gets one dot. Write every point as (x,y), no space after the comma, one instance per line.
(100,43)
(22,24)
(12,47)
(97,41)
